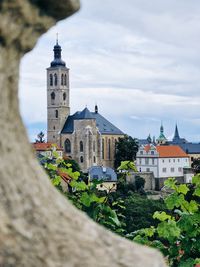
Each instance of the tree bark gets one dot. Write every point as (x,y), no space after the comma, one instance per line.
(38,226)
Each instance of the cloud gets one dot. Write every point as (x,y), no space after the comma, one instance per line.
(138,60)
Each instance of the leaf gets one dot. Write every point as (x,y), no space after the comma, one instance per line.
(162,216)
(197,192)
(51,166)
(85,199)
(170,183)
(196,179)
(174,200)
(182,189)
(168,230)
(56,181)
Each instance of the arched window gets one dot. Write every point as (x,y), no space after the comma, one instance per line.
(62,79)
(55,79)
(103,149)
(109,149)
(81,159)
(53,96)
(81,146)
(65,81)
(51,79)
(67,146)
(56,113)
(64,96)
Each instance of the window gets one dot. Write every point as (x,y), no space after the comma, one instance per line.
(94,159)
(65,82)
(51,79)
(164,169)
(55,79)
(172,169)
(152,152)
(174,160)
(178,160)
(53,96)
(180,169)
(56,113)
(153,161)
(140,169)
(163,160)
(148,169)
(141,152)
(81,146)
(185,160)
(54,127)
(146,161)
(64,96)
(67,146)
(62,79)
(109,149)
(81,159)
(140,161)
(169,160)
(103,143)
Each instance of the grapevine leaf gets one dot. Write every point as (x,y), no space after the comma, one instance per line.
(161,216)
(182,189)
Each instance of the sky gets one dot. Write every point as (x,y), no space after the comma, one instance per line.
(138,60)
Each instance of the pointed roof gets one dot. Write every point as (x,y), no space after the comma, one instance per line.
(104,126)
(176,133)
(85,114)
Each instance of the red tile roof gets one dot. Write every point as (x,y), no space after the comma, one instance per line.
(171,152)
(45,146)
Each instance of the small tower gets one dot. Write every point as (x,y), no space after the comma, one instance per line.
(161,139)
(57,96)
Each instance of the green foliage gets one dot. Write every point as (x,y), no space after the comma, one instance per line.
(125,150)
(177,234)
(85,196)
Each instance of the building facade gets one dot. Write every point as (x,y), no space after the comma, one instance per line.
(163,161)
(85,136)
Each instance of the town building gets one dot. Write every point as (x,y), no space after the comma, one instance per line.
(85,136)
(163,161)
(47,150)
(105,174)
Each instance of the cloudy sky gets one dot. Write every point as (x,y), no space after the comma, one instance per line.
(139,60)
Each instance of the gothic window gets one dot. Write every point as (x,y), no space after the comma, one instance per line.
(109,149)
(65,81)
(55,79)
(53,96)
(103,144)
(67,146)
(56,113)
(81,146)
(51,79)
(81,159)
(62,79)
(64,96)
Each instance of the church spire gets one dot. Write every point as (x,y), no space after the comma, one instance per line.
(57,55)
(176,134)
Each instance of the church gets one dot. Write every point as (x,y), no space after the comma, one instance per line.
(87,137)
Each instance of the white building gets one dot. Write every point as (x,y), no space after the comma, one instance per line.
(163,161)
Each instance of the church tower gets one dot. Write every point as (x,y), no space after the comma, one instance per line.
(57,96)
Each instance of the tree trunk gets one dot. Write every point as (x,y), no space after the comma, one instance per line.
(38,226)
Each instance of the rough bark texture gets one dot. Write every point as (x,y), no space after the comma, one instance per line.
(38,226)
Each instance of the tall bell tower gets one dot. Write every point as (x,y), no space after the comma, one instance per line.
(57,96)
